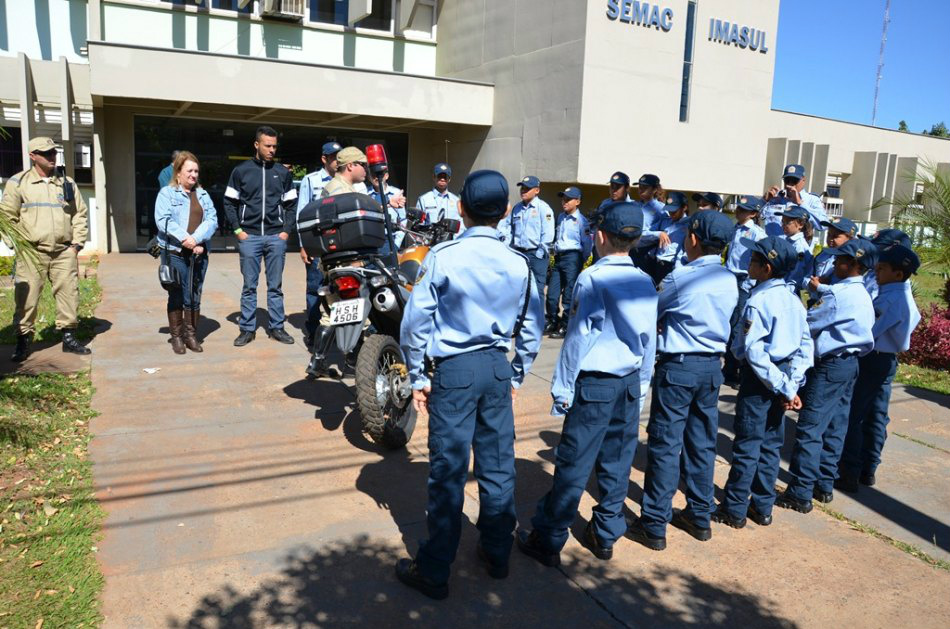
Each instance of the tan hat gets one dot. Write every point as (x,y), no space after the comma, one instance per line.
(350,155)
(42,144)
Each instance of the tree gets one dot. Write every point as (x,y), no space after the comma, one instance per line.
(931,212)
(902,126)
(10,233)
(939,130)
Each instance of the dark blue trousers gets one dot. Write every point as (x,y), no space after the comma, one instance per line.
(539,268)
(822,425)
(183,295)
(314,280)
(561,280)
(757,447)
(867,424)
(599,434)
(731,364)
(271,250)
(470,409)
(684,419)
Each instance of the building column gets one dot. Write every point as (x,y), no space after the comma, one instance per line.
(104,229)
(93,21)
(27,106)
(66,116)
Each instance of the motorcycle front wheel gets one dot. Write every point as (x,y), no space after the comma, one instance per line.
(383,392)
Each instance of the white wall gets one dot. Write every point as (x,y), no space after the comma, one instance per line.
(43,29)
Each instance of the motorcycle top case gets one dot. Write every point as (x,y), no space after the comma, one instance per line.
(343,222)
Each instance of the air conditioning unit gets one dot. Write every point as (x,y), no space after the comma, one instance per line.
(284,9)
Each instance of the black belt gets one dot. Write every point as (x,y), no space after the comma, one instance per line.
(666,358)
(524,250)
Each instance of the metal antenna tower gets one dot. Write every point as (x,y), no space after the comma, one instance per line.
(880,61)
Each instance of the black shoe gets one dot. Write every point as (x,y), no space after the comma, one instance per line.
(551,328)
(731,382)
(758,518)
(787,502)
(593,544)
(244,338)
(637,533)
(529,544)
(495,571)
(317,367)
(308,341)
(867,479)
(559,333)
(279,334)
(722,516)
(847,483)
(71,345)
(681,521)
(823,497)
(22,350)
(407,571)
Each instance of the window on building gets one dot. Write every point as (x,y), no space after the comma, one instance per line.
(336,12)
(233,5)
(687,60)
(11,153)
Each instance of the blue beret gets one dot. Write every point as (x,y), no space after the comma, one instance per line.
(623,218)
(485,194)
(777,250)
(861,249)
(332,148)
(900,258)
(712,227)
(794,211)
(709,197)
(529,182)
(887,237)
(674,201)
(620,178)
(571,192)
(796,171)
(649,180)
(750,203)
(842,224)
(442,169)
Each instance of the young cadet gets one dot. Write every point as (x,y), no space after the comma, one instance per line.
(748,208)
(797,228)
(708,201)
(840,231)
(619,190)
(882,239)
(674,222)
(650,192)
(472,295)
(572,243)
(896,316)
(439,203)
(840,322)
(776,346)
(604,364)
(695,303)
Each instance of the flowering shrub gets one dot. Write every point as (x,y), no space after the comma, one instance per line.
(930,342)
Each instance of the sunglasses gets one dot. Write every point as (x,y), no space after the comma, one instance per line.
(47,154)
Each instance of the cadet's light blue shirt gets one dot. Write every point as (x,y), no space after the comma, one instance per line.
(798,278)
(311,188)
(469,295)
(737,260)
(677,231)
(612,327)
(653,214)
(695,305)
(811,202)
(870,283)
(775,329)
(896,316)
(529,227)
(841,321)
(573,233)
(436,206)
(396,214)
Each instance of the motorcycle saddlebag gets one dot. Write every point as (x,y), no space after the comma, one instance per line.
(342,222)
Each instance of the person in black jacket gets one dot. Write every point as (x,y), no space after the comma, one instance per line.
(260,203)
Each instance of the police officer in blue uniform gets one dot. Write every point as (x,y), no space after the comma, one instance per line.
(896,316)
(529,228)
(674,222)
(608,351)
(472,296)
(650,192)
(618,190)
(395,204)
(439,203)
(841,323)
(776,348)
(794,218)
(572,244)
(695,304)
(792,192)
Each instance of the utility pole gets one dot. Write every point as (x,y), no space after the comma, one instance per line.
(880,61)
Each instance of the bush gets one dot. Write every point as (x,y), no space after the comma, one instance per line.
(6,265)
(930,342)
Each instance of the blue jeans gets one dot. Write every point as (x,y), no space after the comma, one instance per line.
(599,434)
(314,281)
(731,364)
(684,419)
(567,266)
(822,425)
(183,296)
(470,410)
(252,250)
(868,420)
(757,447)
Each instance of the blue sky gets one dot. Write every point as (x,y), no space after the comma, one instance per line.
(827,52)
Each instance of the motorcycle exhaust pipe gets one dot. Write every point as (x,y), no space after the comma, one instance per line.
(384,300)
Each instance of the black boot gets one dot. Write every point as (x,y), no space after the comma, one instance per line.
(70,344)
(322,341)
(22,350)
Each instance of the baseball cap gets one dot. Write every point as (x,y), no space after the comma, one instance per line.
(530,182)
(712,227)
(485,194)
(900,258)
(796,171)
(794,211)
(842,224)
(890,236)
(860,249)
(442,169)
(621,178)
(709,197)
(350,155)
(42,144)
(777,250)
(623,218)
(649,180)
(674,201)
(571,192)
(750,203)
(332,148)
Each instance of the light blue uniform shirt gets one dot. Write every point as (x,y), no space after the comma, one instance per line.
(696,303)
(612,327)
(468,296)
(311,188)
(529,227)
(811,202)
(775,328)
(737,260)
(396,214)
(870,283)
(573,233)
(677,231)
(798,278)
(653,214)
(841,321)
(896,316)
(436,206)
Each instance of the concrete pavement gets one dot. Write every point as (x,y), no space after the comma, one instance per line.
(241,495)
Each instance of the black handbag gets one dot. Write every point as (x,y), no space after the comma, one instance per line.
(167,274)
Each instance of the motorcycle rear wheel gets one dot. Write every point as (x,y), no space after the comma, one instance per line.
(383,393)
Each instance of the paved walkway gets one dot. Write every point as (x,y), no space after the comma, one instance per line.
(241,495)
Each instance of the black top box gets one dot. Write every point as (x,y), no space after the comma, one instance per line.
(343,222)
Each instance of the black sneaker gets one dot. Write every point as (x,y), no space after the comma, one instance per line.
(847,483)
(867,479)
(823,497)
(529,544)
(73,346)
(758,518)
(244,338)
(407,571)
(787,502)
(560,333)
(637,533)
(681,521)
(593,544)
(22,350)
(722,516)
(495,571)
(551,328)
(279,334)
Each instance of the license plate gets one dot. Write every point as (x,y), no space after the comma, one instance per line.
(346,312)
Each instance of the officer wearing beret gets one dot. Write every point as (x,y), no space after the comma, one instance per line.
(50,213)
(795,223)
(472,296)
(792,192)
(529,228)
(673,220)
(604,365)
(895,318)
(841,324)
(840,231)
(775,346)
(572,245)
(695,304)
(439,203)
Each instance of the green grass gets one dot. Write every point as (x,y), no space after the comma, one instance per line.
(924,378)
(89,296)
